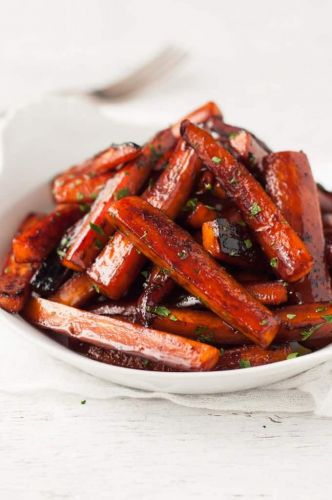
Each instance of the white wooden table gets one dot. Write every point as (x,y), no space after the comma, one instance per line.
(53,447)
(257,60)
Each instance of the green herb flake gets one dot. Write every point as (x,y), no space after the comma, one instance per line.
(146,362)
(216,159)
(290,316)
(222,350)
(97,229)
(263,322)
(183,254)
(161,311)
(93,196)
(306,334)
(274,262)
(61,253)
(208,186)
(191,204)
(328,318)
(80,196)
(255,209)
(84,208)
(99,244)
(233,180)
(232,135)
(293,355)
(96,288)
(145,274)
(320,309)
(122,193)
(244,363)
(83,401)
(172,317)
(248,244)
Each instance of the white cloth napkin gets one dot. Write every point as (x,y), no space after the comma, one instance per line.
(25,369)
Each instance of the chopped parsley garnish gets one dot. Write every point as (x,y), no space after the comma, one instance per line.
(163,311)
(232,135)
(244,363)
(208,186)
(146,362)
(233,180)
(293,355)
(80,196)
(122,193)
(248,244)
(84,207)
(255,209)
(274,262)
(145,274)
(263,322)
(183,254)
(83,402)
(204,334)
(97,229)
(96,287)
(216,159)
(93,196)
(290,316)
(328,318)
(306,334)
(222,350)
(320,309)
(99,244)
(61,253)
(191,204)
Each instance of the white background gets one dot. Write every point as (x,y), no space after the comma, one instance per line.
(269,66)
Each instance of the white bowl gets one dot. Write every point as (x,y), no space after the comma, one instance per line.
(44,138)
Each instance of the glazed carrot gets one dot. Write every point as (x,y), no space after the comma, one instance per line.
(287,254)
(199,115)
(170,247)
(270,293)
(76,291)
(15,277)
(102,162)
(290,183)
(231,243)
(248,149)
(119,264)
(81,189)
(117,334)
(200,214)
(94,230)
(158,286)
(247,356)
(39,240)
(50,275)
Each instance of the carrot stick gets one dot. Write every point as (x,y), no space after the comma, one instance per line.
(270,293)
(199,115)
(290,183)
(157,287)
(119,264)
(75,292)
(39,240)
(50,275)
(248,356)
(81,189)
(170,247)
(113,333)
(200,214)
(287,254)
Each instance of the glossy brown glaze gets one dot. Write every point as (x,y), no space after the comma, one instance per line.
(158,286)
(113,333)
(248,149)
(15,277)
(199,215)
(288,255)
(231,243)
(290,183)
(325,199)
(81,189)
(75,292)
(272,293)
(170,247)
(248,356)
(116,268)
(34,244)
(199,115)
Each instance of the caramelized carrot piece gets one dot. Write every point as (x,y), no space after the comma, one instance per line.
(50,276)
(270,293)
(290,183)
(287,254)
(170,247)
(119,263)
(247,356)
(76,291)
(102,162)
(39,240)
(199,115)
(113,333)
(248,149)
(158,286)
(94,230)
(200,214)
(230,243)
(81,189)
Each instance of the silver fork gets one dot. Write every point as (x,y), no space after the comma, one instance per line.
(145,75)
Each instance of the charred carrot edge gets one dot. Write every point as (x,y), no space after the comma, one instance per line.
(170,247)
(117,334)
(102,162)
(199,215)
(118,265)
(230,243)
(117,358)
(94,230)
(247,356)
(248,149)
(15,277)
(82,189)
(37,242)
(290,183)
(50,276)
(327,221)
(157,287)
(199,115)
(287,254)
(75,292)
